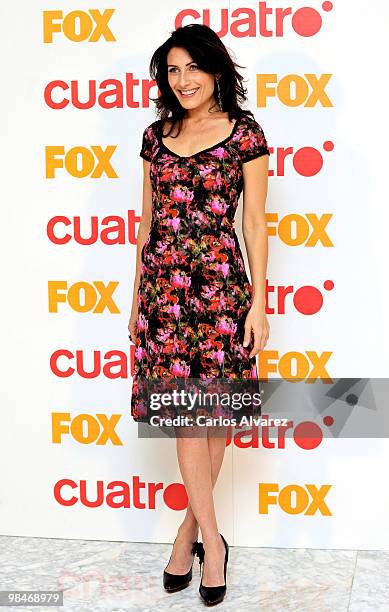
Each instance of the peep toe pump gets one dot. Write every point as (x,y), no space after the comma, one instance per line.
(176,582)
(212,595)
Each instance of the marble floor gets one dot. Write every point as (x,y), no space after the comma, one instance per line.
(114,576)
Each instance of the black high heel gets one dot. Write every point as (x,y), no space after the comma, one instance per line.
(212,595)
(177,582)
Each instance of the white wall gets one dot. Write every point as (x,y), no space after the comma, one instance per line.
(351,324)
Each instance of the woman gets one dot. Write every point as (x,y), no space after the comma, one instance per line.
(194,313)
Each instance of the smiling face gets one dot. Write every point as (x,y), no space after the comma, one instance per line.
(192,86)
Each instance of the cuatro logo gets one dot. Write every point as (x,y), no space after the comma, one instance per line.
(306,161)
(121,494)
(111,364)
(261,19)
(307,299)
(109,230)
(307,435)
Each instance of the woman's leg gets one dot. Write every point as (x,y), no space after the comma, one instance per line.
(200,456)
(217,446)
(213,571)
(188,531)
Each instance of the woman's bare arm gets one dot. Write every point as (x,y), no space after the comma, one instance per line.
(255,177)
(143,232)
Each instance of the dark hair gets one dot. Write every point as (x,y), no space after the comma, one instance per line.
(211,55)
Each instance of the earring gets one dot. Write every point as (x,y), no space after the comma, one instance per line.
(218,94)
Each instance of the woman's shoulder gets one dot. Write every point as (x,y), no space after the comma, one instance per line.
(149,140)
(247,119)
(249,137)
(152,128)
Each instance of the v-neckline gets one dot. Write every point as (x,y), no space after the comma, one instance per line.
(218,144)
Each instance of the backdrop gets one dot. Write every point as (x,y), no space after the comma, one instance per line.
(76,101)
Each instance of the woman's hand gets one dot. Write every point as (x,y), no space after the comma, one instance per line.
(256,323)
(132,323)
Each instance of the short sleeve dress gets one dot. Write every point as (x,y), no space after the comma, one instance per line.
(194,293)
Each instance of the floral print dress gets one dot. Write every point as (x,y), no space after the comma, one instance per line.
(194,293)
